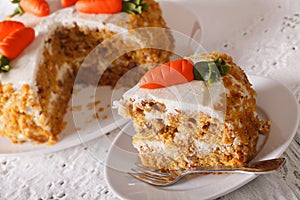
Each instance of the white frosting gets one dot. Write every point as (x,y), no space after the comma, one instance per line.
(159,146)
(193,96)
(25,66)
(204,148)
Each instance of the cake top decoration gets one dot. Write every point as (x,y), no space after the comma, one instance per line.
(38,8)
(183,71)
(41,8)
(14,38)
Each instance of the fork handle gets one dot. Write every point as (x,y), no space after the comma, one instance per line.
(260,167)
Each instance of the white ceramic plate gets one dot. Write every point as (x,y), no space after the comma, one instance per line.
(82,125)
(273,98)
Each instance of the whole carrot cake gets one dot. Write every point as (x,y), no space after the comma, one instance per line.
(35,92)
(198,111)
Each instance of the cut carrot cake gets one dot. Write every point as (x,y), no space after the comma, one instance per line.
(198,111)
(35,92)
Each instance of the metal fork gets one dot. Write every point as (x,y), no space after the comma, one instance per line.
(165,179)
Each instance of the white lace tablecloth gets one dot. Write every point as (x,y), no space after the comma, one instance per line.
(262,36)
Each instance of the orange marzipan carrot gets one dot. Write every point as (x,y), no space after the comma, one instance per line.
(99,6)
(14,43)
(171,73)
(9,26)
(67,3)
(39,8)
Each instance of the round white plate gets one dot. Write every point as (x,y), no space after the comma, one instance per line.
(90,114)
(273,98)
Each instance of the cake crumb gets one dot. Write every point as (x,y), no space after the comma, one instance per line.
(96,116)
(76,108)
(88,121)
(105,117)
(97,102)
(101,109)
(76,91)
(90,105)
(64,125)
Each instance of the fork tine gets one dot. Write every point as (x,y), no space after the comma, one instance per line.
(141,168)
(150,180)
(150,174)
(152,177)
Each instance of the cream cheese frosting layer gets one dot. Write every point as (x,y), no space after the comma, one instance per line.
(193,96)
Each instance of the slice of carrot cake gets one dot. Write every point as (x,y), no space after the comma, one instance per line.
(34,94)
(199,111)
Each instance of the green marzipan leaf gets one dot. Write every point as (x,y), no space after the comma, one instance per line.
(5,68)
(144,6)
(127,6)
(15,1)
(17,11)
(216,60)
(4,60)
(223,62)
(4,64)
(200,70)
(210,71)
(136,2)
(213,74)
(134,6)
(139,9)
(224,69)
